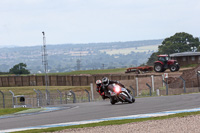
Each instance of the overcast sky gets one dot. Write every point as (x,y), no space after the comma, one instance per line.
(87,21)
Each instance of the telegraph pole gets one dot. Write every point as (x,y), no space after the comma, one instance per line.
(79,63)
(103,66)
(45,63)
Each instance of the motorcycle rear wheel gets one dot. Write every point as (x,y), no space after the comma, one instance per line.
(133,100)
(127,99)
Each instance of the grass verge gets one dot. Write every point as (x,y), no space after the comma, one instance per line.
(114,122)
(11,111)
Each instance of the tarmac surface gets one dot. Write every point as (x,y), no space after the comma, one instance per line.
(103,109)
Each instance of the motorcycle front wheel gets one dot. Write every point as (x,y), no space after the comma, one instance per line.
(112,100)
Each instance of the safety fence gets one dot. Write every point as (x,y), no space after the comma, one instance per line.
(42,98)
(180,87)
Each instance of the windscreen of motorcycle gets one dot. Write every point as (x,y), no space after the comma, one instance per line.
(114,88)
(111,87)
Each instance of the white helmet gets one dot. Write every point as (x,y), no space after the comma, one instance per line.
(105,81)
(98,82)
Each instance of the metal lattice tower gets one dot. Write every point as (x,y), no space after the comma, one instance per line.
(45,63)
(78,64)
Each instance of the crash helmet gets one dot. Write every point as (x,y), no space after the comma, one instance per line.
(98,82)
(105,81)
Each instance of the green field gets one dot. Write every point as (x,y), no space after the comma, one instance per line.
(105,71)
(126,51)
(101,71)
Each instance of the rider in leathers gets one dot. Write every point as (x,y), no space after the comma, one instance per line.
(100,89)
(107,82)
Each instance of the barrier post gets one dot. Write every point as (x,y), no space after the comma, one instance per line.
(158,92)
(60,93)
(132,91)
(183,84)
(149,89)
(137,86)
(48,97)
(13,98)
(152,79)
(166,87)
(92,92)
(88,94)
(40,97)
(38,100)
(198,74)
(74,96)
(3,98)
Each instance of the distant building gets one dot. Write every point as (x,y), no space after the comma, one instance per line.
(186,58)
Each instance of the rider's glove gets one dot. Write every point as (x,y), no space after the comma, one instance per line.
(102,94)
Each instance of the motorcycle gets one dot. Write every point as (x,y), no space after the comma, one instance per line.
(119,94)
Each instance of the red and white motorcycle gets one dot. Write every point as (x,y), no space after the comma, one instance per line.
(119,94)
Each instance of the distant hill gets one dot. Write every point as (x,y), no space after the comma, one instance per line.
(70,57)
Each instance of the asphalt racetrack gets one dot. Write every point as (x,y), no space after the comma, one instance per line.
(103,109)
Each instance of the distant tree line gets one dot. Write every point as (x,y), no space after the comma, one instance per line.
(4,73)
(63,57)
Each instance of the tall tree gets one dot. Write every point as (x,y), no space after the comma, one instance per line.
(19,69)
(180,42)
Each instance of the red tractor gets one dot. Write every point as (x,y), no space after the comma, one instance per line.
(164,63)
